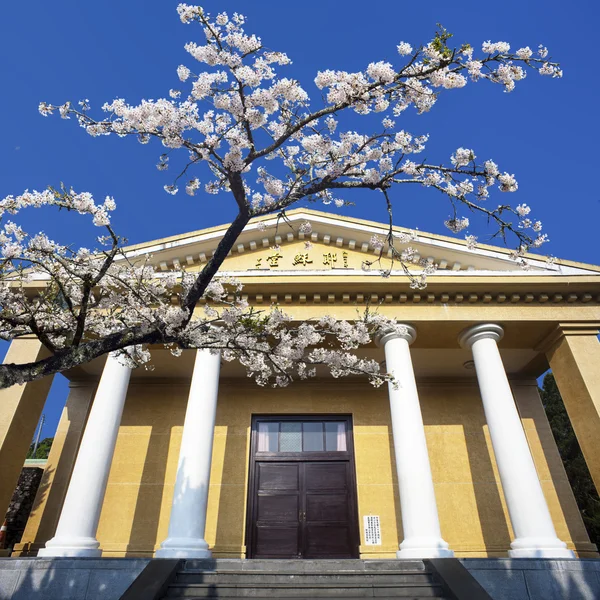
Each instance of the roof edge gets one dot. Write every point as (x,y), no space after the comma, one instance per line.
(353,220)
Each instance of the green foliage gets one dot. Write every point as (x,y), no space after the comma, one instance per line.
(43,449)
(575,466)
(255,321)
(442,35)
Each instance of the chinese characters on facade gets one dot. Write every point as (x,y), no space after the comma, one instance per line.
(302,259)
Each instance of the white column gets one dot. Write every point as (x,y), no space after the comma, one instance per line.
(420,521)
(529,514)
(190,496)
(76,531)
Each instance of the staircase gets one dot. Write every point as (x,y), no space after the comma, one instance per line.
(348,579)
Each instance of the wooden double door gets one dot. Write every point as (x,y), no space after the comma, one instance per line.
(302,501)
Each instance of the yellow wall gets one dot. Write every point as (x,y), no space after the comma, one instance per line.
(50,495)
(20,410)
(473,514)
(574,358)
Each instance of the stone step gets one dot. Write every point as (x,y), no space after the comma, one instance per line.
(298,573)
(210,590)
(269,578)
(303,566)
(283,579)
(218,595)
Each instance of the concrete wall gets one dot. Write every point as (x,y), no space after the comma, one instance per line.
(528,579)
(66,578)
(107,579)
(473,513)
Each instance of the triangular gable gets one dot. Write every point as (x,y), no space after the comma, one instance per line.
(339,245)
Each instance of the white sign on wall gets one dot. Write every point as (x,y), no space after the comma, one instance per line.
(372,530)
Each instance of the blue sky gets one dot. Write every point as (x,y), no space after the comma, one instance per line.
(545,132)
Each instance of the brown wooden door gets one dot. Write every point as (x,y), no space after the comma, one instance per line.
(302,504)
(278,506)
(327,519)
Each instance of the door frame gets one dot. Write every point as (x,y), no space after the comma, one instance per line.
(347,456)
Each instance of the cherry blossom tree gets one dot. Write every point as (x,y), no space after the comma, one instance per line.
(247,132)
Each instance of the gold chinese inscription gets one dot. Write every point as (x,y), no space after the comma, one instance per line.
(273,258)
(330,259)
(301,259)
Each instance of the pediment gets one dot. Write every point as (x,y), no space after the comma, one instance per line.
(338,245)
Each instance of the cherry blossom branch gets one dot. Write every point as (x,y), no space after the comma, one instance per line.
(259,139)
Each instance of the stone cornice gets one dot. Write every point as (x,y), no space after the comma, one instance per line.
(420,297)
(567,329)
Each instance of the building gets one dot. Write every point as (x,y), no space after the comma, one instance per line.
(464,463)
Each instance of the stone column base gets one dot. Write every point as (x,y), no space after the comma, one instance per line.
(183,548)
(424,548)
(71,547)
(539,548)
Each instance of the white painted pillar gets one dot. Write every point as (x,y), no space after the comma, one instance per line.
(527,507)
(420,521)
(190,496)
(78,523)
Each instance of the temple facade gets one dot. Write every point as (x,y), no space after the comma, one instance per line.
(193,459)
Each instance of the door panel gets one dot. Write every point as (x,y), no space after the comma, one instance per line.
(277,510)
(327,541)
(322,476)
(326,507)
(276,541)
(328,515)
(278,476)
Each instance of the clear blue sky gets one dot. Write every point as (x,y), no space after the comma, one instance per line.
(546,131)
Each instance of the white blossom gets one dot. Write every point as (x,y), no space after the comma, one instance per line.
(376,243)
(45,109)
(188,13)
(64,110)
(508,183)
(500,47)
(471,241)
(404,49)
(462,157)
(524,53)
(491,168)
(381,71)
(474,67)
(331,123)
(305,228)
(192,186)
(456,225)
(183,73)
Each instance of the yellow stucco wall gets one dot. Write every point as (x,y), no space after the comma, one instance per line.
(472,511)
(20,409)
(50,495)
